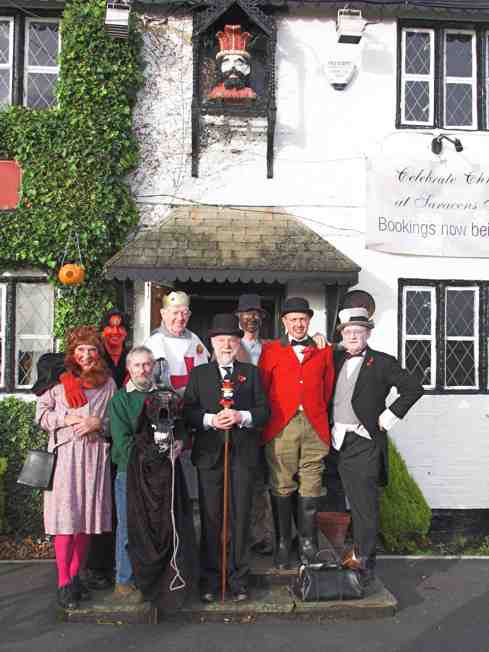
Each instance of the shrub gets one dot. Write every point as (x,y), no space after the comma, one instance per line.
(405,516)
(3,521)
(18,433)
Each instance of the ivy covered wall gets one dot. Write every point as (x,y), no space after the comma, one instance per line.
(75,158)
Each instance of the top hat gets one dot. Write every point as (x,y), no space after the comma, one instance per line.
(296,304)
(352,316)
(249,302)
(225,324)
(176,299)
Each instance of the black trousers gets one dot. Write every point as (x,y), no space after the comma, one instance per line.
(359,465)
(211,489)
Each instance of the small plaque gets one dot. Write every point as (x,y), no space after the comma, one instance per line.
(340,72)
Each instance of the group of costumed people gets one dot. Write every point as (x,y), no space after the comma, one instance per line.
(123,423)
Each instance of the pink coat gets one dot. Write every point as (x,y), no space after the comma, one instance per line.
(80,500)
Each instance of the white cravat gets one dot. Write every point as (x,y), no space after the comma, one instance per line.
(246,418)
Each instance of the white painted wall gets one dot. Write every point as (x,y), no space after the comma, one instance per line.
(323,139)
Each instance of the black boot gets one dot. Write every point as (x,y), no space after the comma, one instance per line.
(308,547)
(282,520)
(79,589)
(66,600)
(367,571)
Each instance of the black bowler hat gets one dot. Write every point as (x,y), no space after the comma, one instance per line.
(225,324)
(249,302)
(296,304)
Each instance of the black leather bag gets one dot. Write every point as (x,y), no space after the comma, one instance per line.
(319,582)
(38,470)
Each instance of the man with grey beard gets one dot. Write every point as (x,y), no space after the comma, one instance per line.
(242,420)
(124,411)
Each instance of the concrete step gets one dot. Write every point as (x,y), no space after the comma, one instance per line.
(271,599)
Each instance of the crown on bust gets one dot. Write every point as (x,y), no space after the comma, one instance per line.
(233,41)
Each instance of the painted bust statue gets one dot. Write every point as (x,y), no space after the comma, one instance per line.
(233,61)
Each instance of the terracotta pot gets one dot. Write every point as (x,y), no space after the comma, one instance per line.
(334,526)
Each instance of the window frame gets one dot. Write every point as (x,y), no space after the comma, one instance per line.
(30,69)
(415,338)
(10,65)
(481,317)
(429,77)
(20,27)
(10,344)
(480,77)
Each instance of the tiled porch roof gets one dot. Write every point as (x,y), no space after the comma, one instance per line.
(231,244)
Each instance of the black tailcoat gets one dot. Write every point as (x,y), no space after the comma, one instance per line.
(363,463)
(379,373)
(203,395)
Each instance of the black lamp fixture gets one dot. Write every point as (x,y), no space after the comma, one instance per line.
(436,144)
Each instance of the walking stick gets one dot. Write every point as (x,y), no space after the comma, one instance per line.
(227,391)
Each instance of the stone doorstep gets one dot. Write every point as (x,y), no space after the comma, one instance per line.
(271,600)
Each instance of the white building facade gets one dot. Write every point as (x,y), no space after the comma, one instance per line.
(415,74)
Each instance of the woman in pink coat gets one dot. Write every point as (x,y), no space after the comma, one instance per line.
(74,413)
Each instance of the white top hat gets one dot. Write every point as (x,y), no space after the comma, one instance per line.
(358,316)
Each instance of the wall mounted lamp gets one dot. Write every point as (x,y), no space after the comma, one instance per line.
(350,25)
(117,18)
(436,144)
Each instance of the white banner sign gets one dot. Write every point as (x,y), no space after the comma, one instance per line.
(428,208)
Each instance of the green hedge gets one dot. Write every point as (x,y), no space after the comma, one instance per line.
(3,519)
(405,516)
(18,433)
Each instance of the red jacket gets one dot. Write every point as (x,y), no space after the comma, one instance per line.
(289,384)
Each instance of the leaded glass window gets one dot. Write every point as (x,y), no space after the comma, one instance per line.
(461,337)
(460,79)
(445,334)
(42,46)
(33,329)
(418,76)
(6,58)
(439,74)
(419,333)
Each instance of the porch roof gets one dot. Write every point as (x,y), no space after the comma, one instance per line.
(231,244)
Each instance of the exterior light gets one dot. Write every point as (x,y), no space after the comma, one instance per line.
(117,18)
(436,144)
(350,25)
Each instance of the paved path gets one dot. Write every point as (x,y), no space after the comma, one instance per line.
(443,607)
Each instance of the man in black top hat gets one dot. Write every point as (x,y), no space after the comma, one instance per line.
(298,380)
(204,411)
(364,378)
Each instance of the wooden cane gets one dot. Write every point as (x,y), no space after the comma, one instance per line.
(227,391)
(225,519)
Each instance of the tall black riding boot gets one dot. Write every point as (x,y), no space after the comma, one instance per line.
(308,547)
(282,520)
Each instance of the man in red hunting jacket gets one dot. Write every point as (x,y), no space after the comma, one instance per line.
(298,380)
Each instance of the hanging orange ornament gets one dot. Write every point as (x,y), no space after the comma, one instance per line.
(72,274)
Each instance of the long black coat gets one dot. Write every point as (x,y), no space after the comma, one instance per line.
(203,394)
(378,374)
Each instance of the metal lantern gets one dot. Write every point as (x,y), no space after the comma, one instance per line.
(350,25)
(117,18)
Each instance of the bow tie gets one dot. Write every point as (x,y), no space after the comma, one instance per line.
(227,372)
(299,342)
(348,355)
